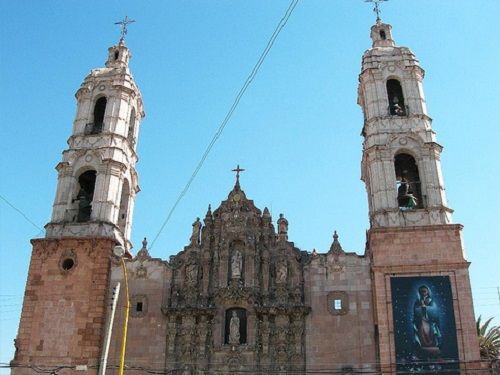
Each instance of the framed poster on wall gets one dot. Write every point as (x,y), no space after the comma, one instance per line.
(425,334)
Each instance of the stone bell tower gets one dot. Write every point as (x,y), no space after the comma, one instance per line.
(64,305)
(415,250)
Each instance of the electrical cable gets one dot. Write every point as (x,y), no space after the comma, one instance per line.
(229,114)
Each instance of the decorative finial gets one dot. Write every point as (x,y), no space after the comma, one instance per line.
(238,170)
(376,9)
(144,243)
(123,25)
(336,247)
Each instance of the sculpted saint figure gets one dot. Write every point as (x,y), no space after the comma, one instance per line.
(281,272)
(236,265)
(234,329)
(195,237)
(426,323)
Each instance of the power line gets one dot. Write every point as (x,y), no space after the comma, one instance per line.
(22,214)
(229,114)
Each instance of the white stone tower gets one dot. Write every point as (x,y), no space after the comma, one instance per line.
(401,159)
(97,177)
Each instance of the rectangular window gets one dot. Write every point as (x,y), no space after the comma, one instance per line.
(337,304)
(138,307)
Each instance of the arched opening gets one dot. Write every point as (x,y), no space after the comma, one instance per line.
(99,110)
(235,332)
(85,195)
(396,99)
(117,54)
(382,35)
(131,126)
(122,214)
(408,182)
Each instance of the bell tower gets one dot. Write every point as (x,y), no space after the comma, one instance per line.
(97,180)
(414,248)
(63,315)
(401,158)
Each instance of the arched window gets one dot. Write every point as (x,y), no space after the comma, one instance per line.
(408,182)
(85,195)
(382,35)
(99,110)
(235,332)
(396,99)
(122,214)
(117,54)
(131,126)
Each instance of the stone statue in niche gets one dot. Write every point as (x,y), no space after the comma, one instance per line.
(195,236)
(281,271)
(236,265)
(234,329)
(191,273)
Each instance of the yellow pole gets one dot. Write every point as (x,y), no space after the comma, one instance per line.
(125,321)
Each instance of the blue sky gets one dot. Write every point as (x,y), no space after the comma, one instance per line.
(296,130)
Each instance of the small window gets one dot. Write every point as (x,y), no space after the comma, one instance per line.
(68,264)
(139,305)
(337,304)
(382,35)
(117,54)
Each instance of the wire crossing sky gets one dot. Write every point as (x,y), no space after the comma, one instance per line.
(229,114)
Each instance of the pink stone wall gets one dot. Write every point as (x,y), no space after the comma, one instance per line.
(347,339)
(418,251)
(63,311)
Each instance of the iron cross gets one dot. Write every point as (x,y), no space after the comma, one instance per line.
(377,8)
(123,24)
(238,170)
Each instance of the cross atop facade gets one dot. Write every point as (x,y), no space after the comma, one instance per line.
(238,170)
(376,9)
(123,24)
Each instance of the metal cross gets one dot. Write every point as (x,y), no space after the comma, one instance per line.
(123,24)
(377,8)
(238,170)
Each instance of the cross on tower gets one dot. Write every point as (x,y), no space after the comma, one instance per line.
(238,170)
(123,24)
(376,9)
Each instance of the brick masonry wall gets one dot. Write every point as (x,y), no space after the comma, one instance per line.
(422,251)
(64,310)
(345,338)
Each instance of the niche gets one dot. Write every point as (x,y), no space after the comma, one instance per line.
(123,213)
(131,126)
(235,332)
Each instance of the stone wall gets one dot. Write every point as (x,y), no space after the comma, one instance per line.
(343,337)
(64,304)
(422,251)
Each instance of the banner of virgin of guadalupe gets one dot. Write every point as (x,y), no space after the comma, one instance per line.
(424,324)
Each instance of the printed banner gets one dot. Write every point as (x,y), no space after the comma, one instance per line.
(424,325)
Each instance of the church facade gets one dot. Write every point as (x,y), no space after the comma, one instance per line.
(240,297)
